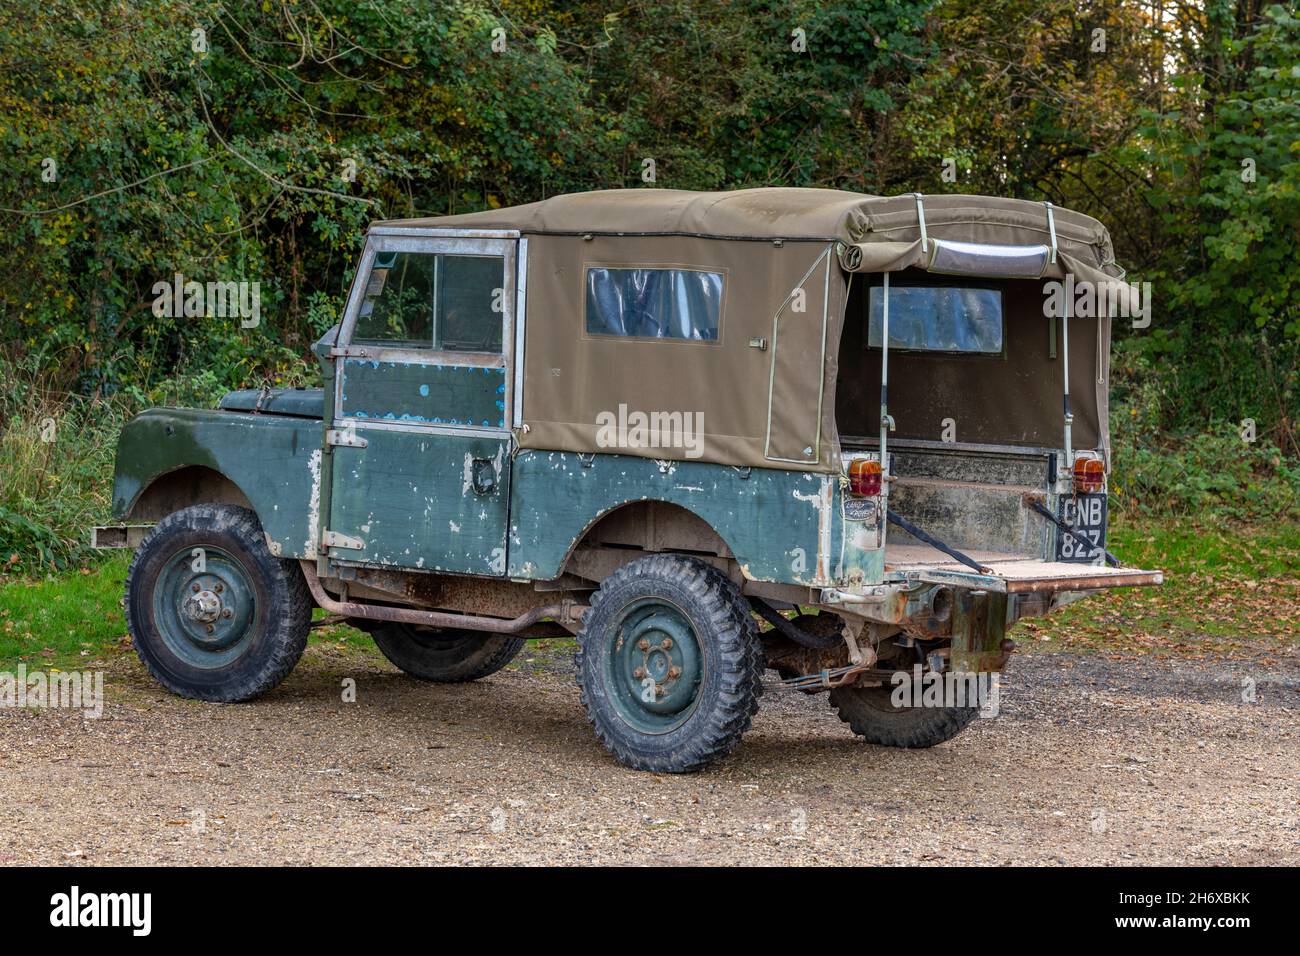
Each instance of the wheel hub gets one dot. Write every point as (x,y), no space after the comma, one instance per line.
(656,666)
(204,607)
(205,616)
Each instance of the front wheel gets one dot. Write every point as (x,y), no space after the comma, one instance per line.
(212,613)
(669,664)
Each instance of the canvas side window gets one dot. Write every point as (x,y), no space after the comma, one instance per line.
(654,303)
(427,301)
(938,319)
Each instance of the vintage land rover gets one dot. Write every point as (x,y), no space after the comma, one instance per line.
(650,418)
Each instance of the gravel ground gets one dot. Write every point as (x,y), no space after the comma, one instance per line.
(1091,761)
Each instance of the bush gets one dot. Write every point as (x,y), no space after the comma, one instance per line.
(56,464)
(57,452)
(1211,473)
(1216,474)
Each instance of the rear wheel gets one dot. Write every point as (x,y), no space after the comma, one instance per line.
(669,664)
(212,613)
(445,655)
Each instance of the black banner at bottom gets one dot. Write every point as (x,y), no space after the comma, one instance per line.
(333,906)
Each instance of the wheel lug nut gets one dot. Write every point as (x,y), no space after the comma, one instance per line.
(209,628)
(195,587)
(639,673)
(674,672)
(226,612)
(668,642)
(217,587)
(643,644)
(659,690)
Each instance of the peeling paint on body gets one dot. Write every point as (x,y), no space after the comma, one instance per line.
(422,393)
(556,496)
(313,506)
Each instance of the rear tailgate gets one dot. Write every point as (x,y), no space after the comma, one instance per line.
(1009,573)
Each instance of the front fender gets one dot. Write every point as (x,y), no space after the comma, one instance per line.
(275,461)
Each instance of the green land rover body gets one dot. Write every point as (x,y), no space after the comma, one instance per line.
(652,418)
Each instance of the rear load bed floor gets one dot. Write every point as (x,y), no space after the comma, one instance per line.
(915,557)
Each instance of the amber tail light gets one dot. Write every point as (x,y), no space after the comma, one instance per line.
(864,477)
(1089,474)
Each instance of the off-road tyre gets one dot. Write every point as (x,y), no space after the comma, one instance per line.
(693,605)
(871,715)
(445,655)
(239,655)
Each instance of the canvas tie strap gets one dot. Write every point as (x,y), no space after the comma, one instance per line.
(1051,227)
(920,218)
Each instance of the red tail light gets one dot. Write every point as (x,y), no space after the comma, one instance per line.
(1089,474)
(864,477)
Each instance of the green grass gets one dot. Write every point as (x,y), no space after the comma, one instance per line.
(63,619)
(342,639)
(1230,591)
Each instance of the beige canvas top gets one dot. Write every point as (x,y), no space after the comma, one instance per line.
(789,213)
(766,389)
(770,213)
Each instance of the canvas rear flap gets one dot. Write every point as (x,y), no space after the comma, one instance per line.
(799,335)
(1014,398)
(889,240)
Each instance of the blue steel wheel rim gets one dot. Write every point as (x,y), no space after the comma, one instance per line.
(654,666)
(207,617)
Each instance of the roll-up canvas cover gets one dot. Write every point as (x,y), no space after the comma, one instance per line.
(763,390)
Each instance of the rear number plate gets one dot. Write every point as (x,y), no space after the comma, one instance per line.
(1086,515)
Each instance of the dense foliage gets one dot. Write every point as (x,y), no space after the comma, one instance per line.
(253,142)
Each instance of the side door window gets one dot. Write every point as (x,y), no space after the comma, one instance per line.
(447,311)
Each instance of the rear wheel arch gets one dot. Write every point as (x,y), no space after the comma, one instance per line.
(651,526)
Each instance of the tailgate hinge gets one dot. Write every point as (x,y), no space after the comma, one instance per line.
(332,539)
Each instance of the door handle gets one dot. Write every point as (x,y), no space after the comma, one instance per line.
(483,476)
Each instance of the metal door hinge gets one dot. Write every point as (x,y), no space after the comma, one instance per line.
(344,436)
(332,539)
